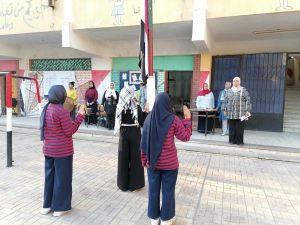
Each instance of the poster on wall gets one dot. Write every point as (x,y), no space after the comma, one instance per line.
(135,77)
(57,78)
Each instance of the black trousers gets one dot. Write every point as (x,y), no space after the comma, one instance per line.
(130,169)
(110,121)
(236,131)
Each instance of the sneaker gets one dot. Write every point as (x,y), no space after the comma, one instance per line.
(61,213)
(45,211)
(168,222)
(223,134)
(154,222)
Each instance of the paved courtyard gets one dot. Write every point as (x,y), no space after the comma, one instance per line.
(212,188)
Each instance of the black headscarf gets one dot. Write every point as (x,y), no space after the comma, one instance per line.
(56,95)
(93,84)
(155,129)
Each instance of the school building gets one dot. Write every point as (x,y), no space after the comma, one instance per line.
(195,41)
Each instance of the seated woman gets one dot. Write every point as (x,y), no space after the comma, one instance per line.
(91,96)
(205,101)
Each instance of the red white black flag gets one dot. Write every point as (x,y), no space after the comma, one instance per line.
(143,55)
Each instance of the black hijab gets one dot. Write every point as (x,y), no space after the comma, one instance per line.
(93,84)
(156,127)
(56,95)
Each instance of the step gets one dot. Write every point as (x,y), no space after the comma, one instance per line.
(291,125)
(292,122)
(292,104)
(292,98)
(292,130)
(291,119)
(295,108)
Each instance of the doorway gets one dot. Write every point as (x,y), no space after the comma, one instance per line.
(292,94)
(178,87)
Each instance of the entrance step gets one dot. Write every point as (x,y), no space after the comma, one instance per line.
(292,110)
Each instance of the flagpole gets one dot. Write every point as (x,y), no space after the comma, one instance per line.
(9,119)
(150,37)
(151,92)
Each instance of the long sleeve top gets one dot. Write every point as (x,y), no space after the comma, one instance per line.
(206,102)
(91,95)
(127,117)
(72,94)
(236,104)
(168,160)
(58,131)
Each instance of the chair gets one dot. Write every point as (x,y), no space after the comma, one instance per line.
(101,117)
(88,113)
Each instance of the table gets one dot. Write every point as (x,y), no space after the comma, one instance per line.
(209,113)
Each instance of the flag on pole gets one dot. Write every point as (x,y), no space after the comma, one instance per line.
(143,54)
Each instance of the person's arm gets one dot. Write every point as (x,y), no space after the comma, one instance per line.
(183,129)
(85,96)
(103,98)
(248,103)
(198,102)
(95,95)
(70,127)
(212,99)
(117,93)
(224,105)
(219,101)
(141,118)
(143,158)
(75,96)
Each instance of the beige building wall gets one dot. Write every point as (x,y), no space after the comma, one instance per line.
(226,8)
(110,13)
(20,16)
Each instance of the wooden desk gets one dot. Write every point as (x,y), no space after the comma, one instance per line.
(207,115)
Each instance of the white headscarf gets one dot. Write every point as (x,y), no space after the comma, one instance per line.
(111,92)
(236,89)
(125,103)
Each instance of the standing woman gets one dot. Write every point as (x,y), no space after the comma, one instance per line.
(129,118)
(222,117)
(91,96)
(110,101)
(57,129)
(236,107)
(159,155)
(205,102)
(72,93)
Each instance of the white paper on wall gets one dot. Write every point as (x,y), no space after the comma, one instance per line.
(57,78)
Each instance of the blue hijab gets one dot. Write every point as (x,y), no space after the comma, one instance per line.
(56,95)
(155,129)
